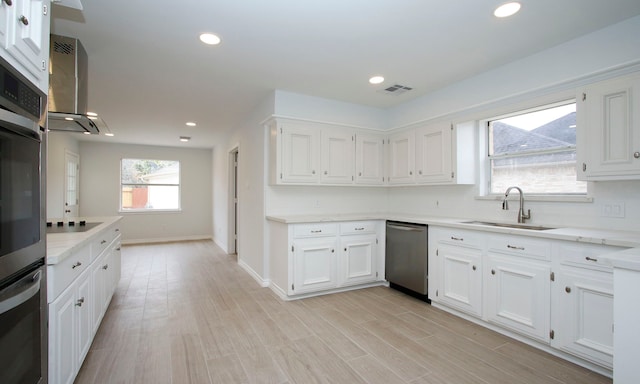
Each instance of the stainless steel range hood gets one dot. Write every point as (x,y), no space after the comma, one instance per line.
(68,88)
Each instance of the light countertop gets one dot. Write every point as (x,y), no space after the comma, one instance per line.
(627,259)
(61,245)
(630,239)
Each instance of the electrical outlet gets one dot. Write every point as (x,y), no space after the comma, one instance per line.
(613,209)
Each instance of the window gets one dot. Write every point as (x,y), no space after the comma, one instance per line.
(149,185)
(535,150)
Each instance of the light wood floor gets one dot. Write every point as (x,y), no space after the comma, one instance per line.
(187,313)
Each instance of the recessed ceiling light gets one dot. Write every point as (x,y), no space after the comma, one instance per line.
(376,80)
(109,134)
(184,138)
(191,124)
(210,38)
(507,9)
(87,133)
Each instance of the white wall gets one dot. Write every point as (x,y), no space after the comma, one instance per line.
(249,138)
(57,145)
(100,188)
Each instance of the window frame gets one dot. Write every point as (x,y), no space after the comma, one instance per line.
(150,210)
(485,160)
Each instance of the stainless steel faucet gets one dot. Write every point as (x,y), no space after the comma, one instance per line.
(521,215)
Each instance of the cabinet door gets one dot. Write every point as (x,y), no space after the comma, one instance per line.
(583,315)
(369,159)
(460,278)
(29,42)
(84,318)
(300,154)
(433,154)
(518,295)
(610,114)
(314,265)
(337,155)
(401,158)
(100,276)
(357,262)
(63,338)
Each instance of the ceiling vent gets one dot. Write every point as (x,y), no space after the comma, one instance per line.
(395,89)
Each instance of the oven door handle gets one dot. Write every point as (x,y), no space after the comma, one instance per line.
(19,292)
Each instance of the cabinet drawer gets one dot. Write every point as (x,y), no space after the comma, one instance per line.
(315,230)
(583,255)
(539,249)
(102,241)
(61,275)
(358,227)
(461,237)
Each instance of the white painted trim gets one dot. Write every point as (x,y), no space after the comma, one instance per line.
(263,283)
(278,291)
(166,239)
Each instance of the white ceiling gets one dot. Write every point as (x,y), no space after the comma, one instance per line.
(149,73)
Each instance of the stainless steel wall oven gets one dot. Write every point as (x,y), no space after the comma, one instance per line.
(23,301)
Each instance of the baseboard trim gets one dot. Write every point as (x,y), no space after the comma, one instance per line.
(166,239)
(263,283)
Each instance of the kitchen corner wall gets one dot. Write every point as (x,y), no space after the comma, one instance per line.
(610,48)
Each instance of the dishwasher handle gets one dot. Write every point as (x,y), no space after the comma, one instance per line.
(405,227)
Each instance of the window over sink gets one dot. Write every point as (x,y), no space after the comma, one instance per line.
(149,185)
(534,149)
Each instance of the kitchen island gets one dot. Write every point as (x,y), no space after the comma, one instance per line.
(83,270)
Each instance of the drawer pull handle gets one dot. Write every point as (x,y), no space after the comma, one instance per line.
(103,241)
(567,289)
(359,229)
(105,267)
(317,231)
(117,229)
(333,250)
(79,302)
(345,249)
(117,249)
(23,19)
(493,271)
(591,259)
(474,267)
(77,264)
(8,2)
(514,247)
(457,238)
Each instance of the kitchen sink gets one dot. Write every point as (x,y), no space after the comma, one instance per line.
(507,225)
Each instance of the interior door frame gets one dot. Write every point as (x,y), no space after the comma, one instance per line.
(233,201)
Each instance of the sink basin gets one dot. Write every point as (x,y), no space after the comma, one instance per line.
(507,225)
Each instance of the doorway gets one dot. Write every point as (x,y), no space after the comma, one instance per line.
(233,201)
(71,184)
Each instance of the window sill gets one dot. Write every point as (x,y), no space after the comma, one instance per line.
(149,211)
(541,198)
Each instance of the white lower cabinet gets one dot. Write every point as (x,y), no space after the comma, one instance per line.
(80,289)
(357,259)
(518,295)
(583,317)
(314,263)
(455,269)
(316,258)
(553,292)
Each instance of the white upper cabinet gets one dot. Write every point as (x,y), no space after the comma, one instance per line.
(402,157)
(609,129)
(299,154)
(303,153)
(369,159)
(24,37)
(337,153)
(433,153)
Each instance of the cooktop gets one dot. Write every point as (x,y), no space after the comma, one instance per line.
(69,226)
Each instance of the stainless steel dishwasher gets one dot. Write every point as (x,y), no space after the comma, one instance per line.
(406,265)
